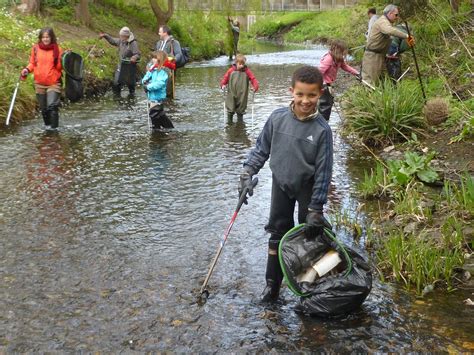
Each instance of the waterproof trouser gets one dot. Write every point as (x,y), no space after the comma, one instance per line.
(326,101)
(117,85)
(158,117)
(281,221)
(49,106)
(372,66)
(394,68)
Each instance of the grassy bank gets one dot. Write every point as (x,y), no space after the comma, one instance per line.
(206,34)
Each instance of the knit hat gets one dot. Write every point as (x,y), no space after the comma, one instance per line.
(125,31)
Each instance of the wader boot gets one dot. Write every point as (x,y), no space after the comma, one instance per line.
(53,99)
(273,274)
(44,111)
(230,116)
(240,117)
(54,117)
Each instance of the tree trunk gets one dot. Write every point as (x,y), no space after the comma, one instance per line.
(82,12)
(162,17)
(30,6)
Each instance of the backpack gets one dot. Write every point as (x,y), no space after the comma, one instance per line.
(186,52)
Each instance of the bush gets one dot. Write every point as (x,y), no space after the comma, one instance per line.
(385,115)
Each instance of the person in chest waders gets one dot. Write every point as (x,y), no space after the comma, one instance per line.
(154,83)
(237,80)
(129,55)
(172,48)
(235,28)
(45,64)
(379,42)
(298,142)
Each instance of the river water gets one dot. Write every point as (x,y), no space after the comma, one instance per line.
(107,231)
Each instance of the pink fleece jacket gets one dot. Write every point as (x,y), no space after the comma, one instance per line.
(329,68)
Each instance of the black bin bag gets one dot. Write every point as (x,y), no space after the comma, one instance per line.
(73,66)
(338,292)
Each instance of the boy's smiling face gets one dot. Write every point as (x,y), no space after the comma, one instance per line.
(305,98)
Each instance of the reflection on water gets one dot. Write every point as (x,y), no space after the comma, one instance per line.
(108,230)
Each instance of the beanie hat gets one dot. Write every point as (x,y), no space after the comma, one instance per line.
(125,31)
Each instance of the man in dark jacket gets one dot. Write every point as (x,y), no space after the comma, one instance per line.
(299,141)
(129,54)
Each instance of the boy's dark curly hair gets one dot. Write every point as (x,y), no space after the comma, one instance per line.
(308,75)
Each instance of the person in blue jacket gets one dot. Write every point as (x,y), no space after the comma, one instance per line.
(298,141)
(154,83)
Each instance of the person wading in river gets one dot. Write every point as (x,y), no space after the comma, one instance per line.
(172,48)
(329,65)
(235,28)
(378,44)
(45,64)
(237,80)
(299,141)
(154,83)
(129,54)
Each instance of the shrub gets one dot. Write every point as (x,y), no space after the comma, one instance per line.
(385,115)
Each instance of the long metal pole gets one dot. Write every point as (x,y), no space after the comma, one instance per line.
(243,197)
(416,64)
(10,110)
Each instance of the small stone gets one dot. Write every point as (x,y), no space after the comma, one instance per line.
(466,276)
(468,302)
(410,228)
(389,148)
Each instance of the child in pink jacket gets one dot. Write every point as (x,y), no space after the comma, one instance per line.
(329,65)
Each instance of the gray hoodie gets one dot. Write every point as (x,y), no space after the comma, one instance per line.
(126,50)
(301,153)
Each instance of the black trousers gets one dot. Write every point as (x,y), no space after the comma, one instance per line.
(282,211)
(326,101)
(158,117)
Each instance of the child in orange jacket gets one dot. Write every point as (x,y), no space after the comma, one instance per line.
(45,64)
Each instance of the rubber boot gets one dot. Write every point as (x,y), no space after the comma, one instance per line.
(46,119)
(230,116)
(54,117)
(240,117)
(273,276)
(43,107)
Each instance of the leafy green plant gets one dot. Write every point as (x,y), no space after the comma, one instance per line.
(403,172)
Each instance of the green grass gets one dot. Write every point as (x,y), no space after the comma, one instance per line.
(418,261)
(386,115)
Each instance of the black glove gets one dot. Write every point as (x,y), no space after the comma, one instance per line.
(315,224)
(245,185)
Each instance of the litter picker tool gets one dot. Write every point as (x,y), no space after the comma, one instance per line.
(10,110)
(253,102)
(416,63)
(401,76)
(204,293)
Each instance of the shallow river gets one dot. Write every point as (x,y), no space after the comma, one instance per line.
(107,231)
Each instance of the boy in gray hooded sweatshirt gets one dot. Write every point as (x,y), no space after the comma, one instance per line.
(299,141)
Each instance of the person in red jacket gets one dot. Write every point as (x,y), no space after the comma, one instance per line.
(237,80)
(45,64)
(330,63)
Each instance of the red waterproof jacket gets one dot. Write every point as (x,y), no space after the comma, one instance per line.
(42,66)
